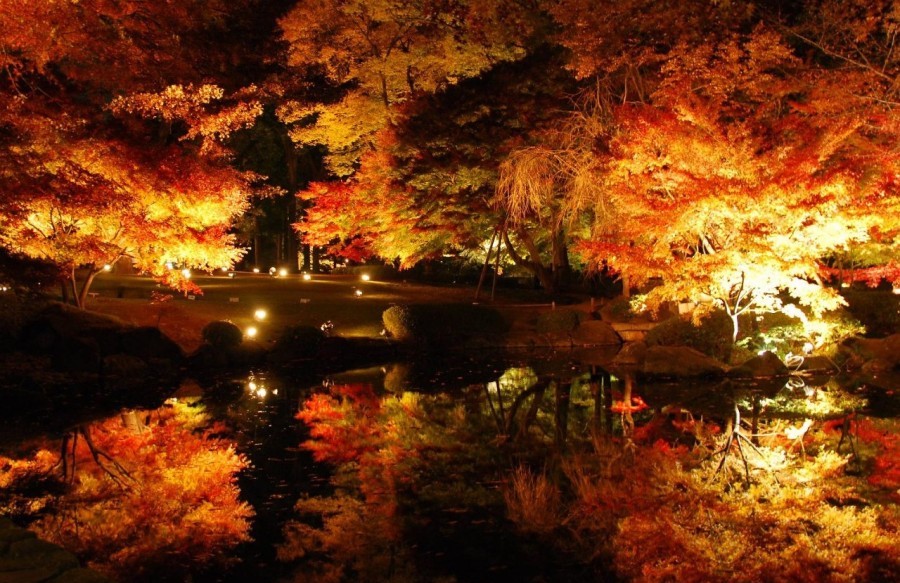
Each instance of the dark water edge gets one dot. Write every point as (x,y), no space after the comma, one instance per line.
(448,543)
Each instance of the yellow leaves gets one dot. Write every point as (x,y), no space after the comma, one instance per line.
(344,127)
(204,108)
(183,504)
(384,53)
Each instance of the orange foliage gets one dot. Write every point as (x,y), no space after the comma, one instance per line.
(178,505)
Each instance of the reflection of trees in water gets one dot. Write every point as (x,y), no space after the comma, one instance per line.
(150,494)
(585,458)
(415,463)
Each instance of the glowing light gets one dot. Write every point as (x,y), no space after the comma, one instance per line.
(896,290)
(358,293)
(808,347)
(251,332)
(251,385)
(261,392)
(231,274)
(256,270)
(306,277)
(186,273)
(260,315)
(107,267)
(845,285)
(282,272)
(365,277)
(170,265)
(273,272)
(274,391)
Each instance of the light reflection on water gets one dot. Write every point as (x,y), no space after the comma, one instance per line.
(522,411)
(411,459)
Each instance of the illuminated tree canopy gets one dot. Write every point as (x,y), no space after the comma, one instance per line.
(730,151)
(111,145)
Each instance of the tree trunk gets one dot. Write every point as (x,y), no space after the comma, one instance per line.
(535,265)
(293,178)
(86,286)
(561,267)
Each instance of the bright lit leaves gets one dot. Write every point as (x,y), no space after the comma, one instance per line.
(178,504)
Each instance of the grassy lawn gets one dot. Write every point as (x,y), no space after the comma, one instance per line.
(288,300)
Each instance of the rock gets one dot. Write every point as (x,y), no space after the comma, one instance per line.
(76,354)
(207,357)
(297,342)
(38,337)
(149,343)
(886,350)
(818,365)
(247,353)
(595,333)
(766,365)
(125,366)
(24,558)
(79,575)
(679,362)
(632,353)
(633,331)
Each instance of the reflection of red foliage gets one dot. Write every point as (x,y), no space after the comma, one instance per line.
(664,447)
(636,404)
(360,393)
(886,465)
(339,433)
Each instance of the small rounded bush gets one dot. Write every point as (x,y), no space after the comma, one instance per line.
(442,323)
(222,334)
(562,321)
(400,323)
(712,336)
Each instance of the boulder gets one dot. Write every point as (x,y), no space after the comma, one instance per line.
(884,350)
(631,354)
(150,344)
(679,362)
(766,365)
(595,333)
(819,365)
(76,354)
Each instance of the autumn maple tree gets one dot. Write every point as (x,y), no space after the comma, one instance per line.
(384,61)
(82,189)
(140,496)
(723,170)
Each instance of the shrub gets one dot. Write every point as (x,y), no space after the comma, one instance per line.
(532,501)
(782,333)
(620,310)
(441,323)
(400,323)
(561,321)
(222,334)
(712,336)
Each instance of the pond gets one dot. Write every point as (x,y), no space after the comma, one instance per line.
(530,467)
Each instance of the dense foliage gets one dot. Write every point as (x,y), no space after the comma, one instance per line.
(143,490)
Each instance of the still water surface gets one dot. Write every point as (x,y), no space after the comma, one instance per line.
(398,472)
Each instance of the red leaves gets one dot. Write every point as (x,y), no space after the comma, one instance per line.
(636,404)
